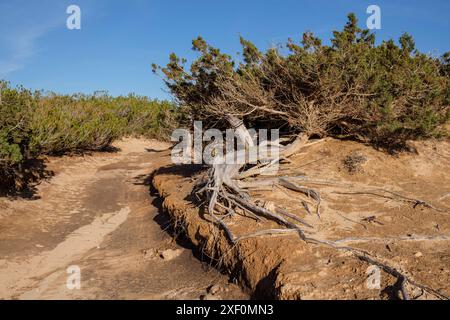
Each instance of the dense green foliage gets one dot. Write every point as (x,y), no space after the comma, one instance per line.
(383,94)
(32,124)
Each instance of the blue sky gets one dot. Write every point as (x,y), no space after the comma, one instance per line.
(120,39)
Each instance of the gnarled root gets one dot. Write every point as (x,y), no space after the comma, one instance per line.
(224,191)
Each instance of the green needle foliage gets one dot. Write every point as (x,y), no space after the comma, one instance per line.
(382,94)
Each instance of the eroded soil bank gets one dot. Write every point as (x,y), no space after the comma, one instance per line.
(410,237)
(98,214)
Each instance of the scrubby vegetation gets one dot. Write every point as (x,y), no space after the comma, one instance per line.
(383,94)
(33,124)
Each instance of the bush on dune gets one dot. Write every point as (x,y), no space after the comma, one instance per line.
(15,106)
(148,118)
(33,124)
(383,94)
(65,124)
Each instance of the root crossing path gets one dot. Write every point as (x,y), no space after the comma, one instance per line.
(94,231)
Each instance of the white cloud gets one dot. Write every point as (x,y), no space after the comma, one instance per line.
(21,46)
(26,23)
(8,67)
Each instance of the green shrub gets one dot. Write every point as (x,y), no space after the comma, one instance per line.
(148,118)
(33,124)
(382,94)
(14,131)
(14,122)
(74,123)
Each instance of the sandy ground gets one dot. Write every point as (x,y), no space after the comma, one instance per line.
(409,237)
(97,215)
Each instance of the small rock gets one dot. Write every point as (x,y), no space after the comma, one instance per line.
(170,254)
(39,246)
(215,289)
(418,254)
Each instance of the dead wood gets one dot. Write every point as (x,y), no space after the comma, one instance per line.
(307,191)
(224,191)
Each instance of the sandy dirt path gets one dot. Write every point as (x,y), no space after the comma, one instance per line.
(97,215)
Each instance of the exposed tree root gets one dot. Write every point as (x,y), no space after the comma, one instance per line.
(307,191)
(368,257)
(388,239)
(267,232)
(394,196)
(227,180)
